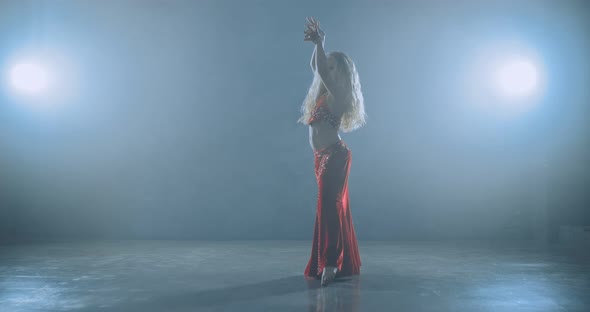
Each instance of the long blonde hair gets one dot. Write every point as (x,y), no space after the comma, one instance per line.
(354,115)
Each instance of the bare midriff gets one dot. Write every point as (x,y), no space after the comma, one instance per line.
(322,134)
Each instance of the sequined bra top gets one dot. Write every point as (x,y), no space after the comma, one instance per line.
(321,111)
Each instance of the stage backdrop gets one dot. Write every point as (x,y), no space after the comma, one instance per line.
(177,119)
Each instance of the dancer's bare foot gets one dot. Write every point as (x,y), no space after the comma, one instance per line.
(328,275)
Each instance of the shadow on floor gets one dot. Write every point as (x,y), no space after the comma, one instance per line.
(342,290)
(344,294)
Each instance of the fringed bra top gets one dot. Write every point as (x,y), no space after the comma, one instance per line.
(321,111)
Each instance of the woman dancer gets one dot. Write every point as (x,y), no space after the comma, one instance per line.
(334,102)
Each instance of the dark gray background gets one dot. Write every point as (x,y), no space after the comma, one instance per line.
(177,119)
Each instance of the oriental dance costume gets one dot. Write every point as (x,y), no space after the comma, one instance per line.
(334,240)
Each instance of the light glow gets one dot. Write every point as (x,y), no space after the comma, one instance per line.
(517,78)
(29,78)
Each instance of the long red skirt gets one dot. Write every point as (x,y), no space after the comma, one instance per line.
(334,239)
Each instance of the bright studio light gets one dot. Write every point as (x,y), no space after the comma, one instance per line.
(517,78)
(29,78)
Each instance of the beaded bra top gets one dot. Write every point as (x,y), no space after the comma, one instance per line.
(321,111)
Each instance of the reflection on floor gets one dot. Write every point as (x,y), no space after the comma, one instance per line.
(267,276)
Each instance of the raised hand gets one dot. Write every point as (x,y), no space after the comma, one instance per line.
(313,32)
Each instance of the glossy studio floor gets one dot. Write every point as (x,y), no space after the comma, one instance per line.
(144,275)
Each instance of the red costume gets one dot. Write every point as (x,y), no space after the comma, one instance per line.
(334,240)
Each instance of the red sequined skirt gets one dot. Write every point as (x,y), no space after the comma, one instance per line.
(334,239)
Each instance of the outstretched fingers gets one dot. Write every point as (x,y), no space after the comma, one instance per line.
(313,23)
(313,31)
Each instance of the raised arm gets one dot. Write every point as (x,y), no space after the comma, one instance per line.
(312,35)
(320,62)
(312,62)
